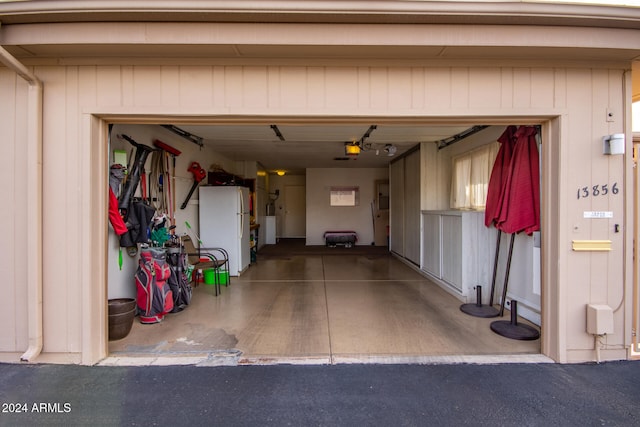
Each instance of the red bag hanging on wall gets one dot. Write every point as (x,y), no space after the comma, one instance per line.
(154,296)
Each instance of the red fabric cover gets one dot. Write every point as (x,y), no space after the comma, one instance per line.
(114,215)
(495,191)
(520,209)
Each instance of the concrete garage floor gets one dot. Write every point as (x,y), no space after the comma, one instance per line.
(321,305)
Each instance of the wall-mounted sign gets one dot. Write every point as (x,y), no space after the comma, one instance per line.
(597,190)
(598,214)
(591,245)
(344,196)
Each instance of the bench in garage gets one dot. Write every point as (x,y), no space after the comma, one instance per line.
(346,238)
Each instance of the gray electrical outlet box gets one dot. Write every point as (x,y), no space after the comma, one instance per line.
(599,319)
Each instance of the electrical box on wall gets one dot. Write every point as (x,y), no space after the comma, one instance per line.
(613,144)
(599,319)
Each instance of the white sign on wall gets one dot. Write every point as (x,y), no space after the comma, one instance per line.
(598,214)
(344,196)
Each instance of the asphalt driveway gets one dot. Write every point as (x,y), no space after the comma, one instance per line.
(326,395)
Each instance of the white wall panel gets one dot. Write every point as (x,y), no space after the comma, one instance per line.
(396,206)
(452,250)
(431,257)
(412,207)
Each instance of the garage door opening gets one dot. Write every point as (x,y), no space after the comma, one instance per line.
(303,301)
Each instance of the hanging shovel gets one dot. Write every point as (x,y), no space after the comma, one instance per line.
(198,175)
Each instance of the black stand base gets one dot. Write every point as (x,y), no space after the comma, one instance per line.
(477,309)
(512,329)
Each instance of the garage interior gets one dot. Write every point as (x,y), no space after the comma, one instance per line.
(308,303)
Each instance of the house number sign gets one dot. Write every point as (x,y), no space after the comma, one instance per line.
(597,190)
(598,214)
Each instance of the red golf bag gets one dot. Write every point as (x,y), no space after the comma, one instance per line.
(154,296)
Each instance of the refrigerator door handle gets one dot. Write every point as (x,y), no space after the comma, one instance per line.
(241,213)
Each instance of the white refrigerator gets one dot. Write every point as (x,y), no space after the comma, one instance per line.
(224,223)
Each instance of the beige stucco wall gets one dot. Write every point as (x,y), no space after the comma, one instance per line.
(570,102)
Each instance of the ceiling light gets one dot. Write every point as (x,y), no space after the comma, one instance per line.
(351,149)
(390,149)
(280,173)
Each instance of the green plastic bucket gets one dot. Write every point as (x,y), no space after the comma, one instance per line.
(210,277)
(224,277)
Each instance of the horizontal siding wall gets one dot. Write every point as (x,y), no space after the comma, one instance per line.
(579,96)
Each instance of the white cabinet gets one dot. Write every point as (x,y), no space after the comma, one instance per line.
(431,245)
(404,179)
(270,230)
(452,254)
(267,230)
(458,251)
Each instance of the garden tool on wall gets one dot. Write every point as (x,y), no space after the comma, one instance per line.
(170,180)
(136,215)
(116,175)
(133,176)
(191,230)
(198,175)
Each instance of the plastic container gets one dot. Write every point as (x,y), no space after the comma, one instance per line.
(122,311)
(224,277)
(210,277)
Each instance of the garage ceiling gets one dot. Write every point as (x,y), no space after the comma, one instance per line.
(316,146)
